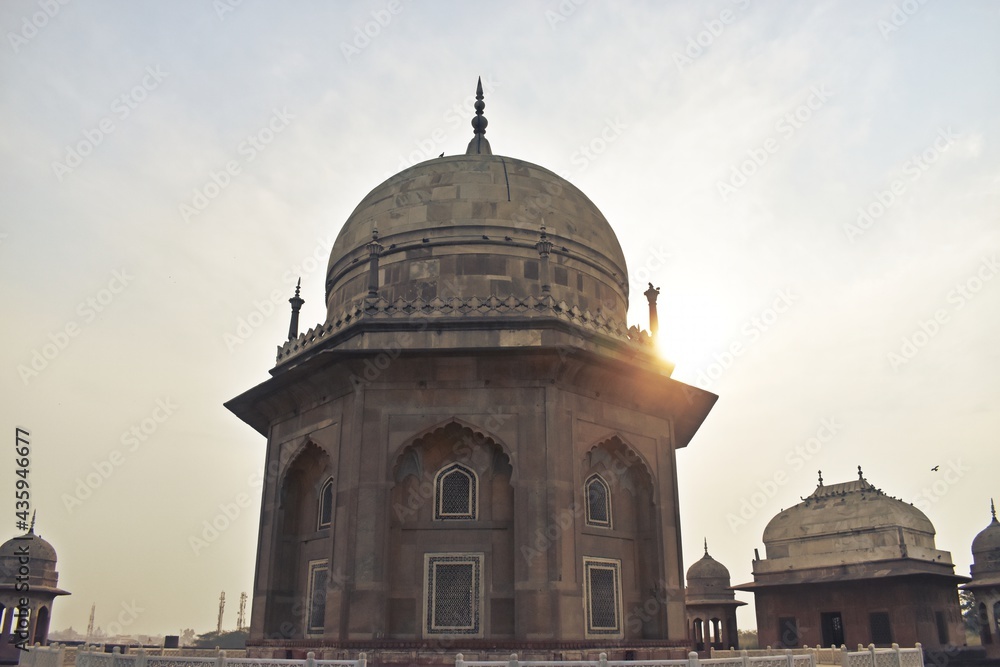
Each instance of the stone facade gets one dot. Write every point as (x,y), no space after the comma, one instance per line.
(473,452)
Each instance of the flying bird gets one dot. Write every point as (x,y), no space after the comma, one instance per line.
(935,468)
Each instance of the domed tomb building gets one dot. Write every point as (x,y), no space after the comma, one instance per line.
(473,450)
(711,605)
(43,588)
(985,584)
(852,565)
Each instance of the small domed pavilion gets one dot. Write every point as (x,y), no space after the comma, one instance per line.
(28,552)
(985,584)
(711,605)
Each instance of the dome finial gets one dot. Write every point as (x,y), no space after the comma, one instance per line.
(479,145)
(296,301)
(993,510)
(31,530)
(820,477)
(861,475)
(706,546)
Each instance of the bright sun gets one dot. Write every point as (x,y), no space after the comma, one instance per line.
(691,330)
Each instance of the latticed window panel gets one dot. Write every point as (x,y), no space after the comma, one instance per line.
(456,493)
(881,630)
(602,579)
(910,658)
(598,502)
(326,505)
(453,592)
(319,577)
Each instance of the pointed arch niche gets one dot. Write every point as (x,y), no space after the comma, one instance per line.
(618,518)
(451,499)
(300,544)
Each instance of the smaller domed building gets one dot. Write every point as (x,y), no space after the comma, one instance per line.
(985,584)
(852,565)
(711,605)
(43,588)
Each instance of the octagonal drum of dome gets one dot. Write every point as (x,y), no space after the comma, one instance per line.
(469,226)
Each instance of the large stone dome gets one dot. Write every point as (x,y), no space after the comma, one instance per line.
(851,508)
(468,226)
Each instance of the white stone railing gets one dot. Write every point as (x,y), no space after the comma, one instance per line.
(743,659)
(863,657)
(52,656)
(883,657)
(42,656)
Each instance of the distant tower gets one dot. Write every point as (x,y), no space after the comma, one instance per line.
(90,623)
(241,616)
(222,607)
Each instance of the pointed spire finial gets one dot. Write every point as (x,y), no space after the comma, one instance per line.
(993,509)
(861,475)
(820,477)
(479,145)
(296,301)
(706,546)
(31,530)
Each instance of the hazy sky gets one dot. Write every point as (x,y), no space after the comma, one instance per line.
(169,169)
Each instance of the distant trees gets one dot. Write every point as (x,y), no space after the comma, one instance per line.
(748,639)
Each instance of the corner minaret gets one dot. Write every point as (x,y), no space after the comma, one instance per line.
(479,145)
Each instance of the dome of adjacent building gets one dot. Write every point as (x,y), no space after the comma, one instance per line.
(708,579)
(469,226)
(707,568)
(986,546)
(849,509)
(38,549)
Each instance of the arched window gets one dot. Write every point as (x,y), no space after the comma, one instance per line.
(455,493)
(598,502)
(325,513)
